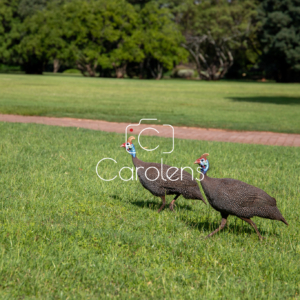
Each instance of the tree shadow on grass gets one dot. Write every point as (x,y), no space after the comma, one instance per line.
(115,197)
(156,205)
(268,99)
(231,227)
(207,226)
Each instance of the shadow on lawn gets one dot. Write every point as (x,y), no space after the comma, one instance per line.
(268,99)
(156,205)
(207,226)
(231,227)
(152,204)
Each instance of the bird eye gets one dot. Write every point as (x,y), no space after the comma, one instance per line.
(127,144)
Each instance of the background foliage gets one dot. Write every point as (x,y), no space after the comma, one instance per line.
(146,39)
(280,38)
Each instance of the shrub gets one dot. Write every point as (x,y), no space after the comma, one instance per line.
(71,71)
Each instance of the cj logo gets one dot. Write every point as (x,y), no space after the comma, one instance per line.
(148,128)
(159,173)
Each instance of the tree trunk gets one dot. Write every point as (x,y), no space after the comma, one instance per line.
(56,65)
(87,68)
(159,72)
(120,71)
(91,70)
(212,59)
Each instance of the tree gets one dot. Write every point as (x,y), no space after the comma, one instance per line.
(280,37)
(17,40)
(42,40)
(30,7)
(160,42)
(10,22)
(92,34)
(213,30)
(103,36)
(102,33)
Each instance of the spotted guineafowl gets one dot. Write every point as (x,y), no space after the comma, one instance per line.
(161,180)
(234,197)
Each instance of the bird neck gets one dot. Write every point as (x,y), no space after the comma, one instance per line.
(136,161)
(203,171)
(205,183)
(132,151)
(204,176)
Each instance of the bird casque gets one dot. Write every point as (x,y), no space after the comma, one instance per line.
(181,182)
(237,198)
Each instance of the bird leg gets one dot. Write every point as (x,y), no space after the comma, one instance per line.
(223,223)
(172,203)
(253,225)
(164,203)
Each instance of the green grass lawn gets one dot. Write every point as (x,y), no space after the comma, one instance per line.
(66,234)
(225,104)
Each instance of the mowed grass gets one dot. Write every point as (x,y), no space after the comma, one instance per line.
(225,104)
(65,234)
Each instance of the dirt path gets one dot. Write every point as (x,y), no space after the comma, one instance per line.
(249,137)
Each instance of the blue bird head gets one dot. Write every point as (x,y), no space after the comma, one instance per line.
(129,146)
(203,163)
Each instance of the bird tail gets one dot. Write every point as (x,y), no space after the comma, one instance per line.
(201,198)
(284,221)
(279,217)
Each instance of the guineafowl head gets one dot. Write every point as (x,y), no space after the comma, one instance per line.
(129,146)
(203,163)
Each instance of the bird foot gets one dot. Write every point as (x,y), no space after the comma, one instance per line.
(161,208)
(163,204)
(172,205)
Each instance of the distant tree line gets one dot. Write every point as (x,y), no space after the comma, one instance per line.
(144,39)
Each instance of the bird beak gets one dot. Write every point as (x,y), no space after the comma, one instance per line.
(197,161)
(123,145)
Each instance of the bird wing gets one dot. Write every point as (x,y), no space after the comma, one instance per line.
(249,195)
(259,201)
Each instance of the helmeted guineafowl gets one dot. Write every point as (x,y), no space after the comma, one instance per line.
(234,197)
(161,180)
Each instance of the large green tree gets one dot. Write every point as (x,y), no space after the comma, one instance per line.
(42,40)
(10,22)
(90,34)
(161,41)
(16,47)
(213,30)
(102,33)
(280,37)
(112,36)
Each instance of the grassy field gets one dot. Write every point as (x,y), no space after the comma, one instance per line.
(66,234)
(230,105)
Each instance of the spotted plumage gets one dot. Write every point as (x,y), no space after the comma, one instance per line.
(162,180)
(234,197)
